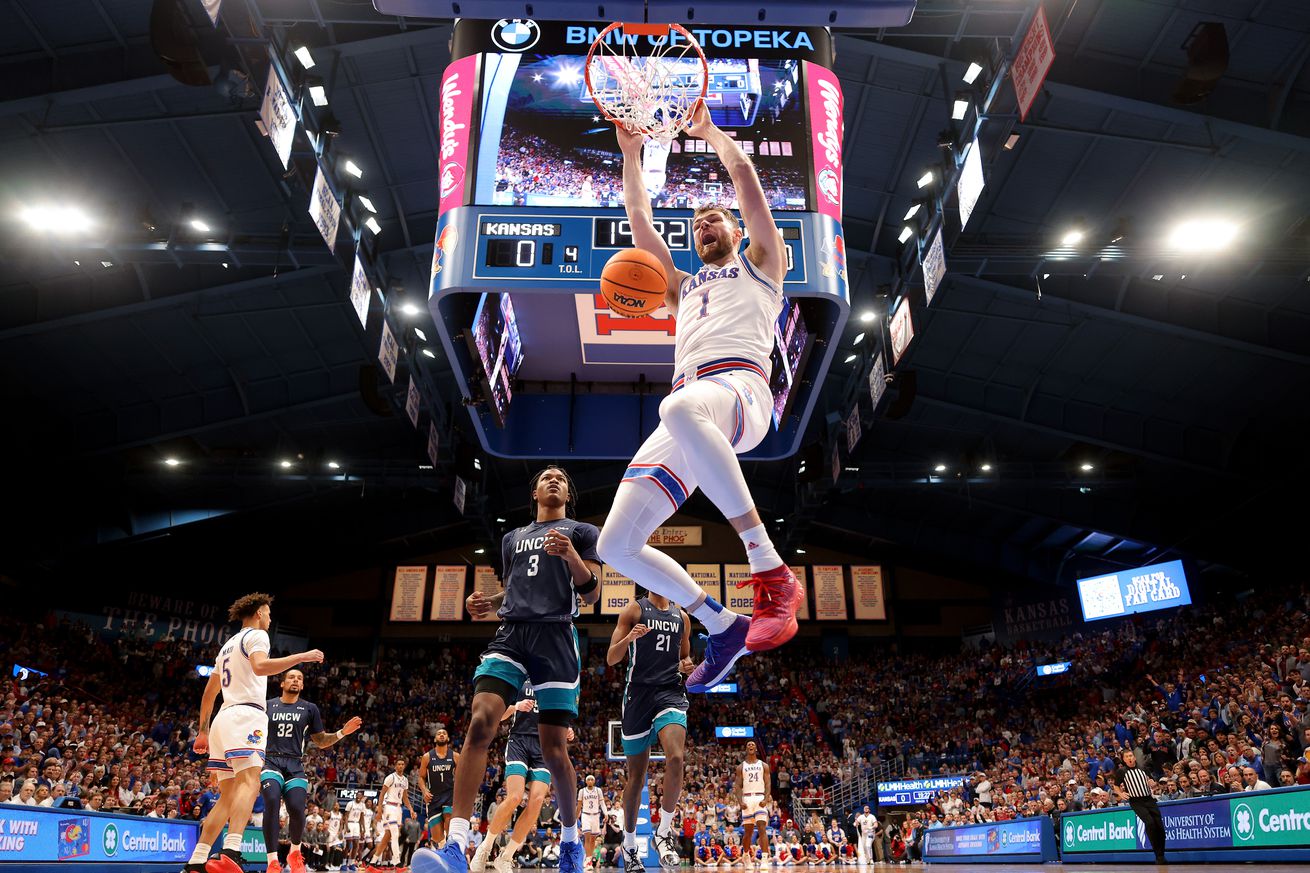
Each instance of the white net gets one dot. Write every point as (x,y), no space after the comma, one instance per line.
(649,84)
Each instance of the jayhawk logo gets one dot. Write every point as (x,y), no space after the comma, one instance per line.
(255,738)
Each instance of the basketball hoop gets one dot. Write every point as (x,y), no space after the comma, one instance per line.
(651,81)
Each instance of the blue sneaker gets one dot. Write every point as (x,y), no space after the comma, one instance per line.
(721,651)
(570,857)
(449,860)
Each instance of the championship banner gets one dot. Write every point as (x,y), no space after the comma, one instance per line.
(616,591)
(413,402)
(388,351)
(359,292)
(1032,62)
(869,593)
(675,536)
(709,577)
(276,115)
(829,592)
(739,600)
(325,209)
(448,593)
(803,611)
(484,580)
(407,593)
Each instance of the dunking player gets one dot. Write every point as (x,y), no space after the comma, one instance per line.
(752,786)
(436,776)
(548,565)
(655,635)
(290,721)
(591,806)
(720,406)
(236,740)
(524,766)
(395,794)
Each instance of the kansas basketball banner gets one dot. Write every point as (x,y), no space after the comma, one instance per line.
(447,593)
(616,591)
(709,577)
(829,592)
(485,580)
(741,600)
(407,593)
(870,597)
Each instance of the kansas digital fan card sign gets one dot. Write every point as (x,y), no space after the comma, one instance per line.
(1146,589)
(34,834)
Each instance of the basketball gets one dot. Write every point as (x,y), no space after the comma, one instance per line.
(633,283)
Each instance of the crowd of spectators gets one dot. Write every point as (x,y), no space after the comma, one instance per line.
(110,726)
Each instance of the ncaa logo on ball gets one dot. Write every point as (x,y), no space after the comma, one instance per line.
(515,34)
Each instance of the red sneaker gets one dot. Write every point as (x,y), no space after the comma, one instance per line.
(276,866)
(296,862)
(223,864)
(778,595)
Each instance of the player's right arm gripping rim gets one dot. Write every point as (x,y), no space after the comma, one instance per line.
(640,217)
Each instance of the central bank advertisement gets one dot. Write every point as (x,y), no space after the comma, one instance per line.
(40,834)
(1017,837)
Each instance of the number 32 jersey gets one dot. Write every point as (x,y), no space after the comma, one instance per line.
(289,724)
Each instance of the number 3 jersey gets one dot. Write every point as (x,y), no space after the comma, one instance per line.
(239,683)
(290,725)
(538,585)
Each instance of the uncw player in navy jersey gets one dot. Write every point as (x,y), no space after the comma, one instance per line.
(548,565)
(436,776)
(655,636)
(290,722)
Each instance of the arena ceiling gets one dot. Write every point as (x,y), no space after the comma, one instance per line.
(1181,382)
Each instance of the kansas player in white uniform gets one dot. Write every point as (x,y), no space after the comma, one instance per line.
(591,801)
(395,794)
(236,740)
(720,406)
(753,795)
(355,833)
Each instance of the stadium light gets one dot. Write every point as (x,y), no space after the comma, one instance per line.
(913,211)
(197,224)
(960,109)
(849,358)
(333,465)
(859,338)
(286,465)
(306,59)
(172,462)
(410,309)
(479,551)
(1203,235)
(499,520)
(800,551)
(986,468)
(318,94)
(420,334)
(906,233)
(1087,467)
(1072,238)
(372,224)
(868,315)
(926,179)
(429,353)
(971,75)
(353,169)
(940,468)
(367,204)
(57,219)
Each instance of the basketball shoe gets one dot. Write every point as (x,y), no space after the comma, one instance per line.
(570,857)
(275,866)
(778,594)
(296,862)
(226,862)
(450,859)
(722,651)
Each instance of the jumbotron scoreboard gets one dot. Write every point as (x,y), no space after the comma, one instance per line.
(531,208)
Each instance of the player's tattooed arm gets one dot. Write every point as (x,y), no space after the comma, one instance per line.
(324,740)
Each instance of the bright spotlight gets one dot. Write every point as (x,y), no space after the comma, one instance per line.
(986,468)
(479,551)
(849,358)
(372,224)
(567,76)
(367,204)
(971,74)
(1072,238)
(800,551)
(197,224)
(960,110)
(353,169)
(940,468)
(429,353)
(286,465)
(913,211)
(318,94)
(420,334)
(926,179)
(1086,468)
(859,338)
(172,462)
(306,59)
(906,233)
(333,465)
(57,219)
(868,315)
(410,309)
(1204,235)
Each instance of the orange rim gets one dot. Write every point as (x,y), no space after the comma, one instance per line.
(644,29)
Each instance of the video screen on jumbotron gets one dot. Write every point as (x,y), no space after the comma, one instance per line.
(543,142)
(1146,589)
(496,342)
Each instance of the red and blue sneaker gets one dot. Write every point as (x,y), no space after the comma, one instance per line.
(778,594)
(721,651)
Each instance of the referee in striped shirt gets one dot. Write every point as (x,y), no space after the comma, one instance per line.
(1133,783)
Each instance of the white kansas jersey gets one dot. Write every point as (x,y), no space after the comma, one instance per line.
(354,810)
(752,777)
(727,311)
(236,675)
(591,799)
(394,788)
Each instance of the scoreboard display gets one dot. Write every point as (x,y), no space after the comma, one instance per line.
(532,209)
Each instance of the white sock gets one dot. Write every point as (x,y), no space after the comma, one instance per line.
(295,847)
(201,853)
(512,847)
(716,617)
(759,549)
(459,834)
(232,842)
(629,840)
(272,856)
(666,824)
(569,833)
